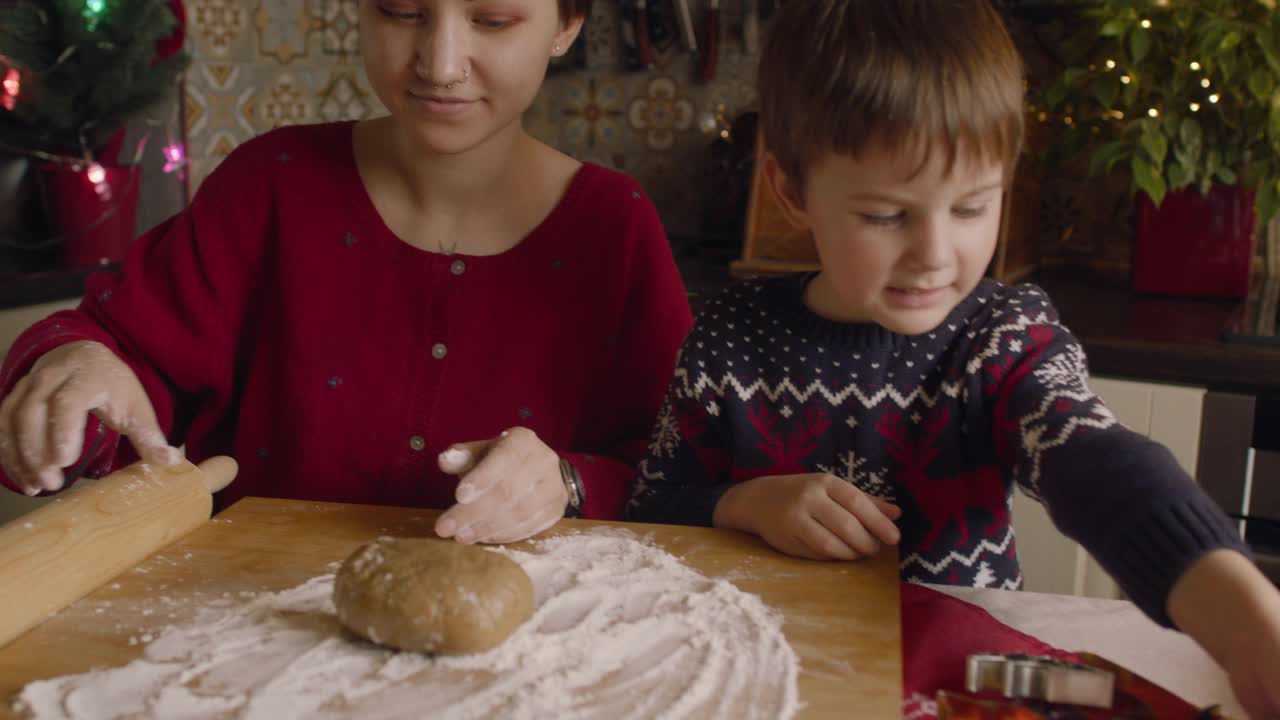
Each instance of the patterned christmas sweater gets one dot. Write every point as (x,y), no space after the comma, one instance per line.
(943,423)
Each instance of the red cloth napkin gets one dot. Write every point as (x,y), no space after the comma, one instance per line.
(938,633)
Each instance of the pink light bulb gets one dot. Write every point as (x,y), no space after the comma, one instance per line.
(12,82)
(174,153)
(96,174)
(175,157)
(9,89)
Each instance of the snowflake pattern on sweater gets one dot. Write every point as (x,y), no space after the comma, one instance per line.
(944,424)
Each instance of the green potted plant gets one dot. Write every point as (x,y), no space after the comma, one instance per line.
(1184,96)
(72,73)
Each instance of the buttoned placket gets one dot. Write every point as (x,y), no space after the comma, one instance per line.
(439,351)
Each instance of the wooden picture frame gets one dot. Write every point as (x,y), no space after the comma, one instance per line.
(771,245)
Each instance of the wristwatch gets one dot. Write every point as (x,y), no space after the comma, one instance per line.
(1036,677)
(573,484)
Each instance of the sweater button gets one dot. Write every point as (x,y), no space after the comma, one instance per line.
(417,443)
(457,267)
(439,350)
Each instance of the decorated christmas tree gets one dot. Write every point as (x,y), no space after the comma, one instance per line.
(72,72)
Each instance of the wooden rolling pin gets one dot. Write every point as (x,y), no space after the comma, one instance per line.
(58,553)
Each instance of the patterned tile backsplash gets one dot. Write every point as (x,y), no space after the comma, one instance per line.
(260,64)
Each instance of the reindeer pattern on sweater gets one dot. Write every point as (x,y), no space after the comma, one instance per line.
(945,424)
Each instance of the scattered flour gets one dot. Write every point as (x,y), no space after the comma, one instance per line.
(622,630)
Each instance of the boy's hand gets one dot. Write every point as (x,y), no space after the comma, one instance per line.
(1229,607)
(511,489)
(42,421)
(1254,670)
(816,516)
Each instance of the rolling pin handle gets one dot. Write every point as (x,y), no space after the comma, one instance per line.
(218,472)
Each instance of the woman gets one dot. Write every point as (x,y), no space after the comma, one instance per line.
(429,308)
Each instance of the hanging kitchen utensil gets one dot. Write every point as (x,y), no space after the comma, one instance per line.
(750,26)
(662,25)
(631,58)
(709,45)
(643,46)
(687,31)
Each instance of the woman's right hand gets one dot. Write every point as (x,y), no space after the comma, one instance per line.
(42,421)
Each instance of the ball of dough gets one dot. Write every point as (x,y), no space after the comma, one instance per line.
(432,596)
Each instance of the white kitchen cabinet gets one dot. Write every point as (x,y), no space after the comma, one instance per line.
(12,323)
(1168,414)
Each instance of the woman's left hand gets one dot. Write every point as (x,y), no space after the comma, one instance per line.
(510,488)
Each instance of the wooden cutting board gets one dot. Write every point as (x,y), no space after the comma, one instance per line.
(842,619)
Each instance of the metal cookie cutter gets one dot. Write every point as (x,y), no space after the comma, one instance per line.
(1039,678)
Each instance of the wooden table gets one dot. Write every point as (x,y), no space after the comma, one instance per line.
(842,619)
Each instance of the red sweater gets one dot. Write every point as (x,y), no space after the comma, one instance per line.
(277,319)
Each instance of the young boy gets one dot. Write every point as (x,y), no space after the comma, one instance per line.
(896,396)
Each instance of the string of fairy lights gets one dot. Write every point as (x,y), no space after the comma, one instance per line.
(1126,78)
(12,94)
(93,11)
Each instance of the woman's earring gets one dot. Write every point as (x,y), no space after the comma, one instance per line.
(555,49)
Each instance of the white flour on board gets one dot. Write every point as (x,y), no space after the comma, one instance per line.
(622,630)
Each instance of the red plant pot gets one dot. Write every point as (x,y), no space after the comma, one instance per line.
(93,220)
(1193,244)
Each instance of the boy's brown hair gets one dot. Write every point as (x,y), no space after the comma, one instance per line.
(836,75)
